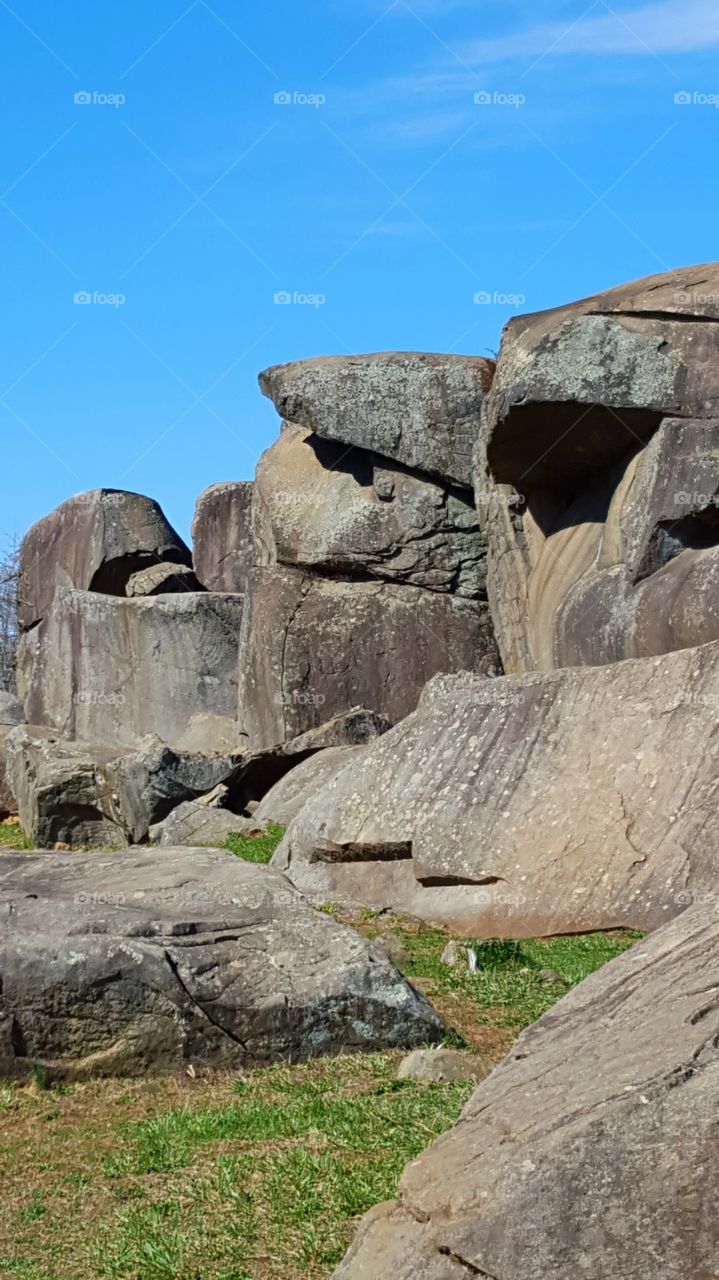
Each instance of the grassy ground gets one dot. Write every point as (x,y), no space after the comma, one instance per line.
(261,1177)
(256,848)
(12,836)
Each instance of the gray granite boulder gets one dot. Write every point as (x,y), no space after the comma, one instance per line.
(539,804)
(136,962)
(312,647)
(222,540)
(596,476)
(284,801)
(419,409)
(96,541)
(101,668)
(590,1150)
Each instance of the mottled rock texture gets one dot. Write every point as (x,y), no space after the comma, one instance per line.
(539,804)
(337,511)
(420,409)
(222,541)
(597,473)
(590,1151)
(140,961)
(100,668)
(311,647)
(97,541)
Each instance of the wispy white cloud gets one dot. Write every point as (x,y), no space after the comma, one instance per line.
(656,29)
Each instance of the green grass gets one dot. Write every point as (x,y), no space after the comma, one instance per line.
(507,980)
(256,848)
(304,1151)
(263,1177)
(12,836)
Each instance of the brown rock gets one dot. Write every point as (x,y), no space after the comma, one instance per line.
(222,542)
(590,1150)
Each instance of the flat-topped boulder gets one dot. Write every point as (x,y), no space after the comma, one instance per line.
(417,408)
(152,960)
(540,804)
(96,541)
(101,668)
(590,1150)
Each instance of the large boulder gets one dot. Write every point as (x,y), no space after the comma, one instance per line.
(324,508)
(134,962)
(96,541)
(421,410)
(591,1150)
(287,797)
(112,670)
(596,476)
(536,804)
(94,795)
(312,647)
(222,541)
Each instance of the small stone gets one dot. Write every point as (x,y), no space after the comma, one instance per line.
(550,975)
(456,955)
(442,1066)
(393,946)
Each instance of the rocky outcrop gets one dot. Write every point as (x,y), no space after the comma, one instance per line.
(537,804)
(596,476)
(97,541)
(100,668)
(93,795)
(135,962)
(11,714)
(334,511)
(591,1150)
(222,540)
(313,646)
(421,410)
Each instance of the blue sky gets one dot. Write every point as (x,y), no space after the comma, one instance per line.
(381,198)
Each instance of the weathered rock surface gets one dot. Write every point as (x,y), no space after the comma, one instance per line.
(133,962)
(418,409)
(591,1150)
(161,579)
(99,668)
(205,822)
(222,540)
(312,647)
(334,511)
(284,801)
(11,714)
(604,416)
(96,541)
(537,804)
(95,795)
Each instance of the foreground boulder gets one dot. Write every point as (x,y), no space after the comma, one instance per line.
(597,474)
(97,541)
(420,409)
(135,962)
(591,1150)
(536,804)
(312,647)
(113,670)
